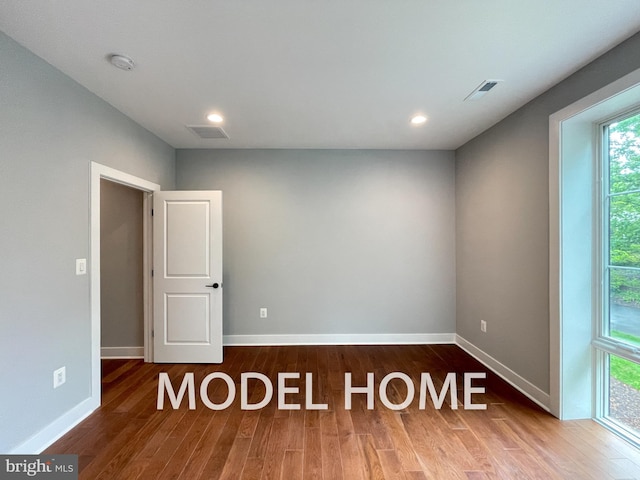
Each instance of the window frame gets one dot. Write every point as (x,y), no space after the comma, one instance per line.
(603,343)
(572,160)
(602,260)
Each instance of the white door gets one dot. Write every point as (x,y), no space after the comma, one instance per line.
(187,280)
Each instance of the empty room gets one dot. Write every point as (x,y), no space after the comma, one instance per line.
(320,240)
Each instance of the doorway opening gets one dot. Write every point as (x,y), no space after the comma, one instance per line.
(121,272)
(98,174)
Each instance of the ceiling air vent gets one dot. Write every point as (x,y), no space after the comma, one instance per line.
(482,89)
(208,131)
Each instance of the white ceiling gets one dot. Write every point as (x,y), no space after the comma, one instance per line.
(319,73)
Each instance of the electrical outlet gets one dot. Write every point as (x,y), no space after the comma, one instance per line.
(263,312)
(483,326)
(59,376)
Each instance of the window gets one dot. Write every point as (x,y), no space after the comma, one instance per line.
(617,340)
(580,332)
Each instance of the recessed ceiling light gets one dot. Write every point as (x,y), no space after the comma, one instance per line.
(215,118)
(418,119)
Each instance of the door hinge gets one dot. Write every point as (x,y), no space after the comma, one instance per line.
(153,333)
(152,212)
(152,272)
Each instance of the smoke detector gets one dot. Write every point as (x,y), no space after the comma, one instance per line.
(121,61)
(482,89)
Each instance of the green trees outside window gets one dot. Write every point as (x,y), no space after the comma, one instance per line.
(623,140)
(624,210)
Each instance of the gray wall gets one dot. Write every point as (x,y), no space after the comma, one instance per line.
(50,130)
(332,242)
(502,198)
(122,306)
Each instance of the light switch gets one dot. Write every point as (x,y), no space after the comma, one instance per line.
(59,376)
(81,266)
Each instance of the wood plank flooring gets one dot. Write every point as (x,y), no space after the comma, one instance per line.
(128,438)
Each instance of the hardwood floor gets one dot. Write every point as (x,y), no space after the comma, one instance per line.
(128,438)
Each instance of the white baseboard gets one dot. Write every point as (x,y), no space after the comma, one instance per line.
(340,339)
(56,429)
(512,378)
(122,352)
(516,381)
(66,422)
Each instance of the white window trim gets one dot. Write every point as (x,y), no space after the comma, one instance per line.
(573,159)
(602,338)
(604,345)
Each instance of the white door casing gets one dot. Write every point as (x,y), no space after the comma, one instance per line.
(187,258)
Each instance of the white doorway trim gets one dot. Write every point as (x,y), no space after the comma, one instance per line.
(99,172)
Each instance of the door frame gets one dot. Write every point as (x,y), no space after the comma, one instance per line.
(102,172)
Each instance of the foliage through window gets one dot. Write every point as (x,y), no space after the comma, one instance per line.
(621,225)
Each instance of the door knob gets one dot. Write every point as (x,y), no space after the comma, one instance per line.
(213,285)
